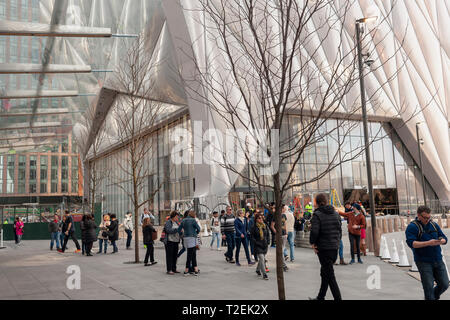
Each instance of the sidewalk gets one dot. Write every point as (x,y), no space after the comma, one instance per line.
(32,271)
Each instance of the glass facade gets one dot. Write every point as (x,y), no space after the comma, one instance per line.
(395,176)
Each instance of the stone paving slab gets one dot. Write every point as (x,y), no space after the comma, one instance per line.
(32,271)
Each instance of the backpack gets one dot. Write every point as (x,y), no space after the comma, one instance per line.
(421,231)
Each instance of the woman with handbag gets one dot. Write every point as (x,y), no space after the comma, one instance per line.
(191,230)
(113,232)
(103,234)
(148,233)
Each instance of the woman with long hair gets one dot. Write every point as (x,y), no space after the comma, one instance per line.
(147,232)
(261,238)
(103,233)
(191,229)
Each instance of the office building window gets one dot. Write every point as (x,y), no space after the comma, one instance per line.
(13,14)
(74,185)
(24,49)
(43,170)
(64,174)
(24,10)
(10,174)
(2,49)
(21,174)
(35,11)
(13,52)
(33,176)
(54,177)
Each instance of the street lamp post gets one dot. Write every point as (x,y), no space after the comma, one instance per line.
(359,23)
(420,163)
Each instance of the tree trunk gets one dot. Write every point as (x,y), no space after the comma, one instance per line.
(136,234)
(278,238)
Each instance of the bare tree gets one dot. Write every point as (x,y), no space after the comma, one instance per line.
(267,62)
(135,112)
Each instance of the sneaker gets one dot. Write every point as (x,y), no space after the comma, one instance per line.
(154,262)
(99,252)
(360,261)
(232,261)
(219,249)
(147,264)
(171,273)
(267,270)
(78,250)
(258,272)
(60,250)
(352,261)
(185,273)
(89,255)
(265,277)
(251,263)
(196,273)
(292,260)
(285,268)
(176,271)
(238,264)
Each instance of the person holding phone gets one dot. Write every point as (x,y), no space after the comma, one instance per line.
(425,238)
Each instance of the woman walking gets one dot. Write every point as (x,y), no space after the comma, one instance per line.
(18,227)
(191,230)
(260,236)
(114,232)
(171,242)
(90,234)
(103,234)
(147,232)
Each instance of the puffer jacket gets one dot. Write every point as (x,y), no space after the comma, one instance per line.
(326,231)
(113,230)
(261,245)
(89,231)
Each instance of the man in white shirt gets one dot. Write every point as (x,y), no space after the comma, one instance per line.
(290,221)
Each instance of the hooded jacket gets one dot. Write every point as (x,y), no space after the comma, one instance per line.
(326,228)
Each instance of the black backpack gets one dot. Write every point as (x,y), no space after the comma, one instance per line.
(421,231)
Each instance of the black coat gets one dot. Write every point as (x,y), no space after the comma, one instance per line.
(147,232)
(88,231)
(113,231)
(261,245)
(326,228)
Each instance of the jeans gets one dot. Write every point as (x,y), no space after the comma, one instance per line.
(261,265)
(215,235)
(19,238)
(252,245)
(129,237)
(55,236)
(341,250)
(149,253)
(354,239)
(290,239)
(100,244)
(191,260)
(113,243)
(430,272)
(171,256)
(61,237)
(72,235)
(238,248)
(230,244)
(327,259)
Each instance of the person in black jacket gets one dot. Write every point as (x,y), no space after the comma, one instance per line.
(147,232)
(113,232)
(83,233)
(325,237)
(90,233)
(260,236)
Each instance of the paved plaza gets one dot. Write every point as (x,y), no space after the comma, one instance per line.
(32,271)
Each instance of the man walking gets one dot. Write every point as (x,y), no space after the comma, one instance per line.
(228,233)
(290,221)
(69,232)
(325,236)
(425,238)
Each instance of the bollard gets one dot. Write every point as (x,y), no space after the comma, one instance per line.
(377,242)
(369,238)
(396,224)
(390,224)
(385,226)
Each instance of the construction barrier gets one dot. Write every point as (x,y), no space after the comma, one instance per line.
(395,258)
(403,261)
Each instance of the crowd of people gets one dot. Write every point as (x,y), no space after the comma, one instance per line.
(254,230)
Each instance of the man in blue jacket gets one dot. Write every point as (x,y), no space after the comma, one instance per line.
(425,237)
